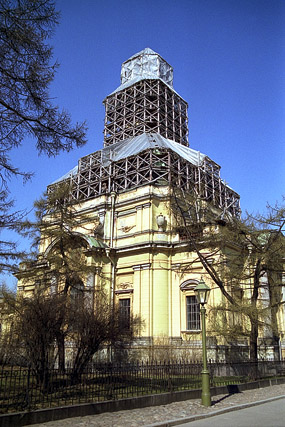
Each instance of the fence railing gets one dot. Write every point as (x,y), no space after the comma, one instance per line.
(21,390)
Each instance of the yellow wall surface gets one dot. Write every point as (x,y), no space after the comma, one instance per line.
(149,261)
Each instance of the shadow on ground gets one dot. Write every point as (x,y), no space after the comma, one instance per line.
(232,389)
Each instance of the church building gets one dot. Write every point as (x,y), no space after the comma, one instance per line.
(135,238)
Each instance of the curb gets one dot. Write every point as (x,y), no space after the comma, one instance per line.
(80,410)
(197,417)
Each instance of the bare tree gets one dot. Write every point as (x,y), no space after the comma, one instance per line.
(243,257)
(93,327)
(56,225)
(32,325)
(36,321)
(85,317)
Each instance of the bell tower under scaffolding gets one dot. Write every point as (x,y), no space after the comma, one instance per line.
(146,142)
(123,198)
(145,102)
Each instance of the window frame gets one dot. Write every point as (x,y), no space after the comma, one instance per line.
(193,317)
(187,290)
(126,320)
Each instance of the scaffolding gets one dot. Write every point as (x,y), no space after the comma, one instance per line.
(145,102)
(147,106)
(146,141)
(158,166)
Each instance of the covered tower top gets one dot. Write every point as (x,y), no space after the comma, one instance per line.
(145,102)
(146,64)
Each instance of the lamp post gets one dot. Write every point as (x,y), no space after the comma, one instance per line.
(202,293)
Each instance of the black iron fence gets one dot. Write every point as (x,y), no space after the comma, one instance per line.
(20,388)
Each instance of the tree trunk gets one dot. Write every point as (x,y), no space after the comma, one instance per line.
(83,357)
(253,341)
(254,317)
(61,353)
(275,296)
(253,353)
(274,331)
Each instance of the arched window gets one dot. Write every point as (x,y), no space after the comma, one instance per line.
(190,306)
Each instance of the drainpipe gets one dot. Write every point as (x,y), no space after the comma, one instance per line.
(112,282)
(113,198)
(108,250)
(112,258)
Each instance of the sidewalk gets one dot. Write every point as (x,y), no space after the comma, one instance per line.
(270,413)
(173,414)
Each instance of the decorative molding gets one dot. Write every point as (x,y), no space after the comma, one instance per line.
(127,228)
(126,212)
(143,206)
(123,291)
(125,285)
(146,205)
(189,285)
(188,336)
(142,267)
(176,266)
(133,210)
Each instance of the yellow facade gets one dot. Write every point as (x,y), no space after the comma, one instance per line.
(130,239)
(147,258)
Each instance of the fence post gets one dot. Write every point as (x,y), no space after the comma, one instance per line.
(169,385)
(27,397)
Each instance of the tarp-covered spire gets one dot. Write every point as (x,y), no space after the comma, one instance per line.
(146,64)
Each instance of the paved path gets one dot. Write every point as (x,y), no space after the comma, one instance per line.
(268,414)
(178,412)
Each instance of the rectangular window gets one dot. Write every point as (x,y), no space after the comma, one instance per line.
(125,312)
(53,286)
(192,313)
(77,292)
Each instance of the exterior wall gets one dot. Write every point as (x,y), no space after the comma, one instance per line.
(149,261)
(129,239)
(144,257)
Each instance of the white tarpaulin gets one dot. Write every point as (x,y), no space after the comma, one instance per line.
(132,146)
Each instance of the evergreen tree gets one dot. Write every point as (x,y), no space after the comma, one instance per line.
(26,108)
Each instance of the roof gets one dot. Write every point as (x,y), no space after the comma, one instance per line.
(70,173)
(95,243)
(130,83)
(135,145)
(146,51)
(145,65)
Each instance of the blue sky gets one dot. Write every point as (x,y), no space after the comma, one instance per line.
(228,58)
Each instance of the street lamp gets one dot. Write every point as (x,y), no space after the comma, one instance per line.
(202,293)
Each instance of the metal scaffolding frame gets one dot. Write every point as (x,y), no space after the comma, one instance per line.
(147,106)
(156,166)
